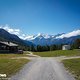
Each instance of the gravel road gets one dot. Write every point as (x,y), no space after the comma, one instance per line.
(43,69)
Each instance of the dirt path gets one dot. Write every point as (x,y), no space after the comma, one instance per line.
(31,54)
(43,69)
(64,57)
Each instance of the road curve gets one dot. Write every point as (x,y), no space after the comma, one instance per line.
(43,69)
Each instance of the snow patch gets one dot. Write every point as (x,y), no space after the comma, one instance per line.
(71,34)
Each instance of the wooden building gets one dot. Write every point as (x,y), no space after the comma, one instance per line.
(8,47)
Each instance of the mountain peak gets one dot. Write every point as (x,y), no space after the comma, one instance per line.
(39,34)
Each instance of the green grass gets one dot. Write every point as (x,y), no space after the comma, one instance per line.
(58,53)
(11,55)
(73,65)
(10,66)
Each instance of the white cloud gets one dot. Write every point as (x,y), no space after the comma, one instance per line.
(10,30)
(13,31)
(29,37)
(22,36)
(67,35)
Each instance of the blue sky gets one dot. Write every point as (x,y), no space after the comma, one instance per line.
(41,16)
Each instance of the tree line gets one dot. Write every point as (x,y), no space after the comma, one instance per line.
(39,48)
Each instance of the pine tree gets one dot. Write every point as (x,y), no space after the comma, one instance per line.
(77,43)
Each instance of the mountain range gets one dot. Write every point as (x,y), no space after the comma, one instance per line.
(40,39)
(64,38)
(6,36)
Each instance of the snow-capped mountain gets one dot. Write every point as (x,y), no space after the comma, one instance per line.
(40,36)
(6,36)
(45,39)
(39,39)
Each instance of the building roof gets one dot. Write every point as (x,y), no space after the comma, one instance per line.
(66,45)
(8,43)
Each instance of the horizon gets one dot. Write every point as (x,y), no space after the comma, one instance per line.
(23,36)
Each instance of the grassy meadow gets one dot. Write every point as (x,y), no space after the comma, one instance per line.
(73,65)
(10,66)
(58,53)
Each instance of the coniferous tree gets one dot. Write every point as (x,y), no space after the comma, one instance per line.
(77,43)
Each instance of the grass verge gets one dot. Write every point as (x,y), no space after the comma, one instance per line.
(58,53)
(73,65)
(10,66)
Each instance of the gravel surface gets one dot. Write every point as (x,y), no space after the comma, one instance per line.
(43,69)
